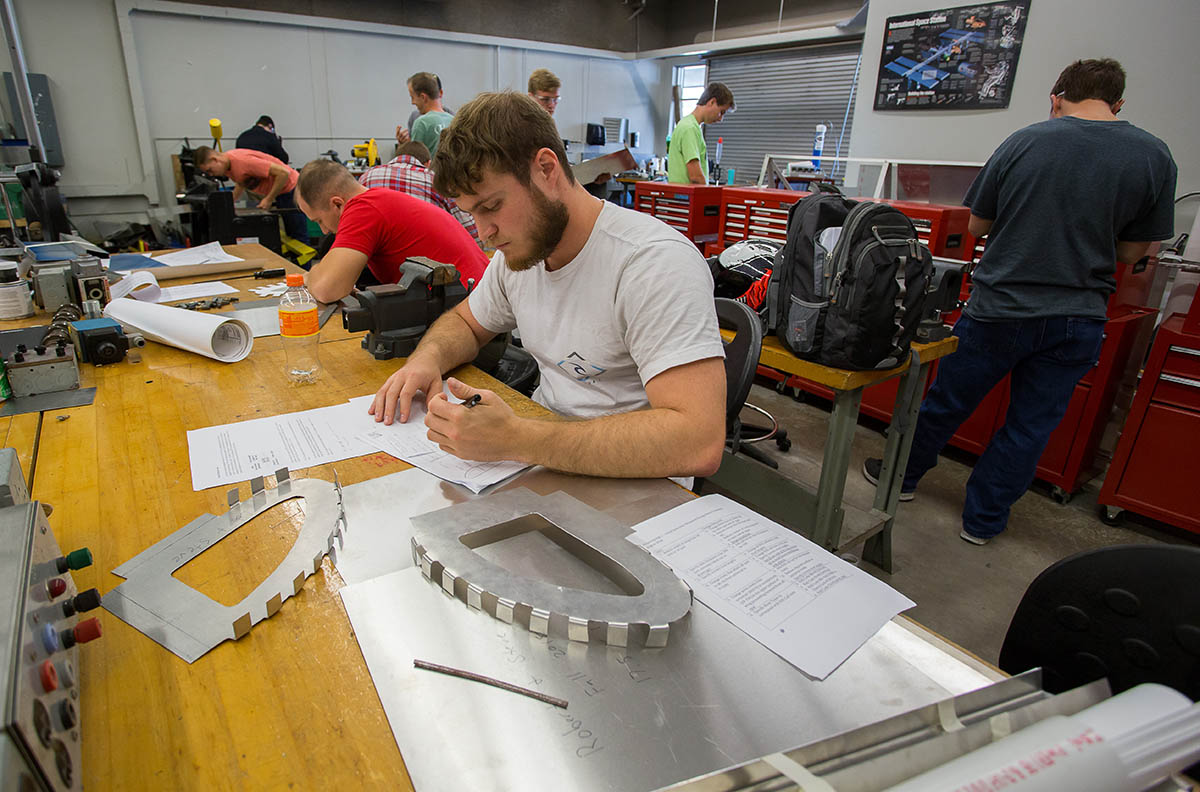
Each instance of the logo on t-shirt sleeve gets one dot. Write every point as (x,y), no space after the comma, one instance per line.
(577,368)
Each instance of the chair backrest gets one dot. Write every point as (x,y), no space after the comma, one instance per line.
(741,354)
(1130,613)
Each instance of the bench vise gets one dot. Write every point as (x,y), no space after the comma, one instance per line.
(395,316)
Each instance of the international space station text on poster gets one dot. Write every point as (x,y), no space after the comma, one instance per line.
(951,59)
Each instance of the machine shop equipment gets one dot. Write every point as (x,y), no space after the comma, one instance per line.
(366,154)
(52,284)
(102,341)
(215,218)
(41,742)
(77,280)
(395,316)
(91,282)
(942,297)
(43,369)
(42,200)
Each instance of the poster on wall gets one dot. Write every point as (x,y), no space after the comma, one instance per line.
(961,58)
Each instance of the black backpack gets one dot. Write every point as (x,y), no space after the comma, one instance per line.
(854,303)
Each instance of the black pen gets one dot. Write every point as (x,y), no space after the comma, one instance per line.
(471,402)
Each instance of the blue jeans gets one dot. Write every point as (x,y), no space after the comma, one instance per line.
(1046,358)
(294,221)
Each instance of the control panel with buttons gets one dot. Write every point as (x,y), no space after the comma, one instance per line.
(44,619)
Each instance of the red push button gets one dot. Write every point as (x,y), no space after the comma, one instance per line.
(88,630)
(49,677)
(56,587)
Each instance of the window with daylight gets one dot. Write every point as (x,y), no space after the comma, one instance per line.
(691,81)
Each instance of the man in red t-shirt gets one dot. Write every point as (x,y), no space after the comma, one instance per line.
(378,229)
(261,175)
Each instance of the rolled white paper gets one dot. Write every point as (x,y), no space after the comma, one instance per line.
(218,336)
(128,287)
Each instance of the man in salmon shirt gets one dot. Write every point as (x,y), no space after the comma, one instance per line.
(261,175)
(377,229)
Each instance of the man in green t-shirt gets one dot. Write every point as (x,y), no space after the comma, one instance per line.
(426,95)
(687,156)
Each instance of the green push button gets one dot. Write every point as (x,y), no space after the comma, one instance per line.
(78,559)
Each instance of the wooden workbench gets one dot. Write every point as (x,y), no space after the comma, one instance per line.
(292,704)
(288,706)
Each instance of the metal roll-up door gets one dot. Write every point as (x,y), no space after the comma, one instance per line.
(781,96)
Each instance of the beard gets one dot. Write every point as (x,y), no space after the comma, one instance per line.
(548,224)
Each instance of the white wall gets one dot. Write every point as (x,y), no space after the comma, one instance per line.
(1155,40)
(326,86)
(77,44)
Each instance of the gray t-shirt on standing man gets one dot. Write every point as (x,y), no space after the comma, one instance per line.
(1062,193)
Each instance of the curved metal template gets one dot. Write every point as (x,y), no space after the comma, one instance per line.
(190,623)
(440,549)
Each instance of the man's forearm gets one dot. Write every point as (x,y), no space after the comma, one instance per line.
(449,342)
(642,444)
(281,181)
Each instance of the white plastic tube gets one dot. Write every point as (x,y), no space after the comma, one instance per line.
(213,335)
(1122,744)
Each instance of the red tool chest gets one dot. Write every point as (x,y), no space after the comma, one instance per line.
(1156,468)
(692,209)
(753,212)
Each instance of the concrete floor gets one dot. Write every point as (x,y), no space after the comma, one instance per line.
(965,592)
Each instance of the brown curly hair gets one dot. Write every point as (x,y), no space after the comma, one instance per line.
(500,132)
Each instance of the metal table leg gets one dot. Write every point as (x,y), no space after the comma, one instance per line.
(878,548)
(828,526)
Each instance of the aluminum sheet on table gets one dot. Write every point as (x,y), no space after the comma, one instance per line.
(638,719)
(42,402)
(378,511)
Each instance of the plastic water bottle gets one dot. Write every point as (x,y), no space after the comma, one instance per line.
(300,330)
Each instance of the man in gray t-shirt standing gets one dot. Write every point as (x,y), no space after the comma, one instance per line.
(1060,202)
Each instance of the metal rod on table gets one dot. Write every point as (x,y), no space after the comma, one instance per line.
(441,669)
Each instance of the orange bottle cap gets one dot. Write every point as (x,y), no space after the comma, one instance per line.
(295,279)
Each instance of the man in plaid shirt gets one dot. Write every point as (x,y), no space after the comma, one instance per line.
(407,173)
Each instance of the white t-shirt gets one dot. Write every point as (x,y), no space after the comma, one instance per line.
(636,301)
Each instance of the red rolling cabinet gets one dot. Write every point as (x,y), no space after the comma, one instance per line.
(1156,466)
(942,228)
(692,209)
(757,212)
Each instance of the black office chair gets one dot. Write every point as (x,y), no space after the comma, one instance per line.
(1130,613)
(741,363)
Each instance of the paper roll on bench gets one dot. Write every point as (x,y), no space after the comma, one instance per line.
(213,335)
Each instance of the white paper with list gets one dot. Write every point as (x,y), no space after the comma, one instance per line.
(239,451)
(201,254)
(802,602)
(408,441)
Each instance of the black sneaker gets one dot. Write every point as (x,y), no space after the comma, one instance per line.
(871,470)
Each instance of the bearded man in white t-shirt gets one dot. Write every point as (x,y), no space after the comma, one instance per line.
(616,306)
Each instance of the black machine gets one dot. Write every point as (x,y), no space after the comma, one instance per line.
(395,316)
(942,297)
(102,341)
(42,200)
(215,218)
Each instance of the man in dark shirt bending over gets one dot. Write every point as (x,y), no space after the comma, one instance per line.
(262,137)
(1060,202)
